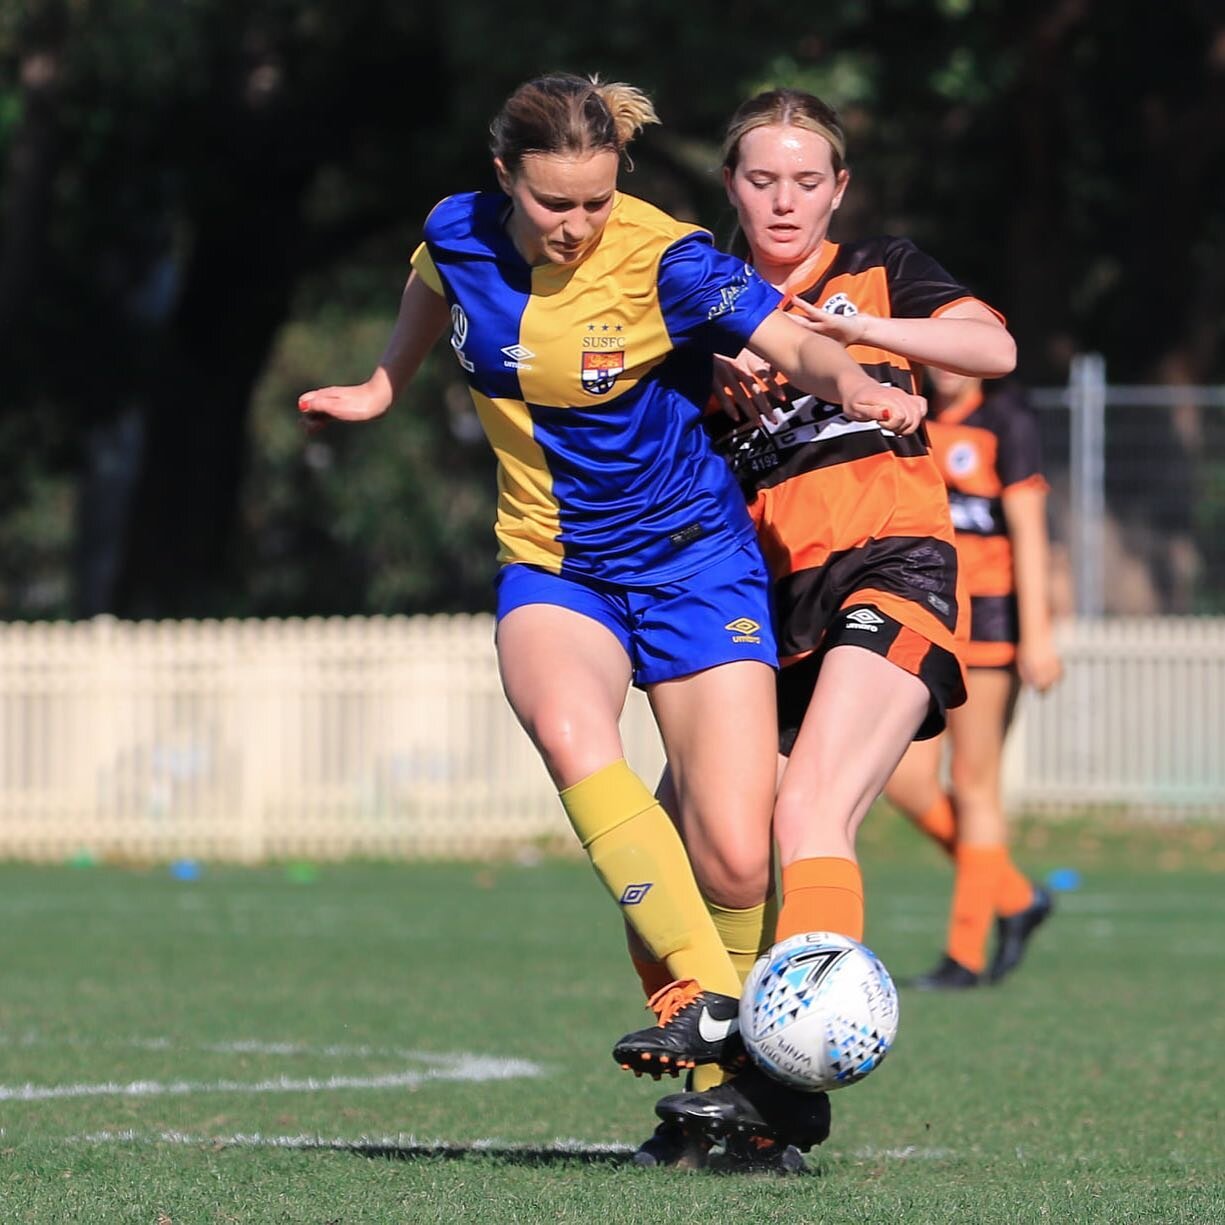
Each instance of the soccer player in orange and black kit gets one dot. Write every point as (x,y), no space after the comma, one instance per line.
(986,444)
(853,521)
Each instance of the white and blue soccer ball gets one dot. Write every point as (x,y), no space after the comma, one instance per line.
(818,1011)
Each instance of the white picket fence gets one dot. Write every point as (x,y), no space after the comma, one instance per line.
(390,737)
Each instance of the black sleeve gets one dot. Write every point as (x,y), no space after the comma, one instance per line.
(1016,425)
(918,286)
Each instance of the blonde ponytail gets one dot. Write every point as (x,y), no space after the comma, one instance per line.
(630,108)
(564,113)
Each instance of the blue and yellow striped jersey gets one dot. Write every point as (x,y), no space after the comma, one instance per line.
(589,380)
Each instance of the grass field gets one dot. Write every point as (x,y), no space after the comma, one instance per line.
(430,1043)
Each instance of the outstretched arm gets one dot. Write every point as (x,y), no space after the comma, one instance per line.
(822,367)
(967,338)
(423,317)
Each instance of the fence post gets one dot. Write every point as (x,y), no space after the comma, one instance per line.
(1087,401)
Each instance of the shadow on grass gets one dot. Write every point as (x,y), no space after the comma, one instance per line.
(506,1154)
(545,1155)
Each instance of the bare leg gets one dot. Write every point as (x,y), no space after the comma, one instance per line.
(720,733)
(566,678)
(977,731)
(864,712)
(915,785)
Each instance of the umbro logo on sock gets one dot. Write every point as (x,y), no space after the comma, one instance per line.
(635,893)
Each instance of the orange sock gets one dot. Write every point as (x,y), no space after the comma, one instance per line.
(940,824)
(653,975)
(974,891)
(1014,891)
(821,895)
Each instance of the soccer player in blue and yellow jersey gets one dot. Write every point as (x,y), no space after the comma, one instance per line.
(585,322)
(986,445)
(853,520)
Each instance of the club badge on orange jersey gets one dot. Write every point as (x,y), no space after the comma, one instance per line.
(600,370)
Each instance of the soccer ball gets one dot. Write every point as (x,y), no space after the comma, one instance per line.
(818,1011)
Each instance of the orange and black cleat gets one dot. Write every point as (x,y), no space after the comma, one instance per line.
(695,1026)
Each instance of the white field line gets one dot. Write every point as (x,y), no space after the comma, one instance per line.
(243,1046)
(411,1144)
(453,1068)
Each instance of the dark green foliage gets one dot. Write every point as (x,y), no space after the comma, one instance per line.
(183,182)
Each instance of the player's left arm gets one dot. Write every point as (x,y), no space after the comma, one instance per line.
(1025,514)
(966,337)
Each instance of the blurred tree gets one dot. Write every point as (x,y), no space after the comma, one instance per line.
(203,193)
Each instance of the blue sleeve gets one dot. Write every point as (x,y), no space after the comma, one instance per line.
(709,298)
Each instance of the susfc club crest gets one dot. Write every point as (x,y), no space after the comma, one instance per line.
(600,370)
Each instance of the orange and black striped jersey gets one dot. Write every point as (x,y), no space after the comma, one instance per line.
(844,505)
(986,445)
(884,276)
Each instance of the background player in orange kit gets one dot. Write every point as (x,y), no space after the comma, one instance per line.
(853,521)
(986,443)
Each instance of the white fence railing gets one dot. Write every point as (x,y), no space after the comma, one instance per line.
(255,739)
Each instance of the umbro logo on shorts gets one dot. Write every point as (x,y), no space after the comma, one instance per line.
(863,619)
(744,629)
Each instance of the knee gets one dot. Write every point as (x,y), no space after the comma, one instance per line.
(733,870)
(573,747)
(973,781)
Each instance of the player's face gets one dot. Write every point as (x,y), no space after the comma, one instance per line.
(561,203)
(784,190)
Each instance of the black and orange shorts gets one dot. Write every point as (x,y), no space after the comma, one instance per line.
(897,597)
(995,630)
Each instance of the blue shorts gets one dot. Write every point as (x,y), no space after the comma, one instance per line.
(717,616)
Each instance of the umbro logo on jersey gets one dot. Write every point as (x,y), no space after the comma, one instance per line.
(712,1030)
(744,629)
(518,356)
(864,619)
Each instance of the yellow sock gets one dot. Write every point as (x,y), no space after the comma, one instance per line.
(746,934)
(638,854)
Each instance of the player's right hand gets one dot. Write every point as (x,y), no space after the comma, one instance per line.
(360,403)
(893,408)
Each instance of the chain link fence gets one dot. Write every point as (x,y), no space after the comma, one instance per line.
(1137,479)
